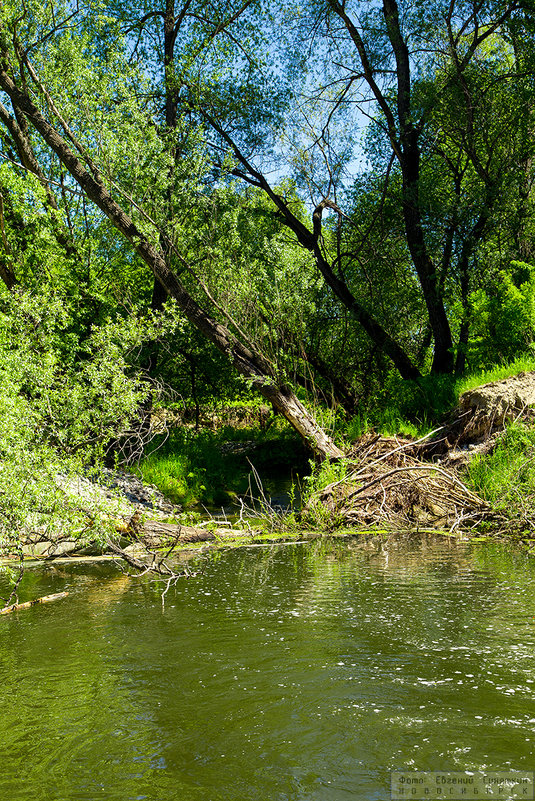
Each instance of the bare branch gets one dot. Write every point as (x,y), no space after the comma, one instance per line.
(369,73)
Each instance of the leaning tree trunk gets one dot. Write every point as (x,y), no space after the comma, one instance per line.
(251,364)
(284,400)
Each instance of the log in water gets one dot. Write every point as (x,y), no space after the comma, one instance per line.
(26,605)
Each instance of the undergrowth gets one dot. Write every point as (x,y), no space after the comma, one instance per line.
(525,363)
(213,467)
(413,408)
(506,477)
(316,514)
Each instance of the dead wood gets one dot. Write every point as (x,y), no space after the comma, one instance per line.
(152,542)
(157,532)
(390,485)
(26,605)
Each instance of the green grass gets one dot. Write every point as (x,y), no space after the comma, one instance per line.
(497,373)
(414,408)
(388,423)
(506,477)
(194,467)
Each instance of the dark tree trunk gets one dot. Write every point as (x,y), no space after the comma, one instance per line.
(427,274)
(310,240)
(343,392)
(409,155)
(404,135)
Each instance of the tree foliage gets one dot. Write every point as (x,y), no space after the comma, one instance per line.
(236,196)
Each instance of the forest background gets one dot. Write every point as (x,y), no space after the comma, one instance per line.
(328,208)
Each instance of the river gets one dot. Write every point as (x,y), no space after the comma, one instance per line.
(302,672)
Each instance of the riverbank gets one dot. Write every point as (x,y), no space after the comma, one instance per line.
(213,467)
(197,542)
(471,474)
(470,478)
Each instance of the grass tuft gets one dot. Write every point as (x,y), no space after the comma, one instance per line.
(498,373)
(212,467)
(506,477)
(413,408)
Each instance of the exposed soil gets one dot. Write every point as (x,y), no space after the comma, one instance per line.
(482,415)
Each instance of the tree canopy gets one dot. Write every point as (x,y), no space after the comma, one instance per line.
(314,197)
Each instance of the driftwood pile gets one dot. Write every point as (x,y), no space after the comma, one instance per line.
(397,483)
(389,485)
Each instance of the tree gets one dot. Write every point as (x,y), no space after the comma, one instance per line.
(400,65)
(17,75)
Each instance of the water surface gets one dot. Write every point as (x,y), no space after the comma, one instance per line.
(298,672)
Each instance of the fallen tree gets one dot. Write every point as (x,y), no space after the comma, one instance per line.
(260,371)
(45,599)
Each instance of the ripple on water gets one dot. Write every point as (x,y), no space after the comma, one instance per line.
(289,673)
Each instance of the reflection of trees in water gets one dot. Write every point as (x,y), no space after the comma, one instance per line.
(392,589)
(322,652)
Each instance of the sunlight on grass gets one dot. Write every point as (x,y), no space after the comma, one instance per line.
(413,408)
(212,467)
(521,364)
(506,477)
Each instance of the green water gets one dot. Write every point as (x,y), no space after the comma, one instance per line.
(299,672)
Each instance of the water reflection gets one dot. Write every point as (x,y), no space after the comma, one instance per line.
(300,672)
